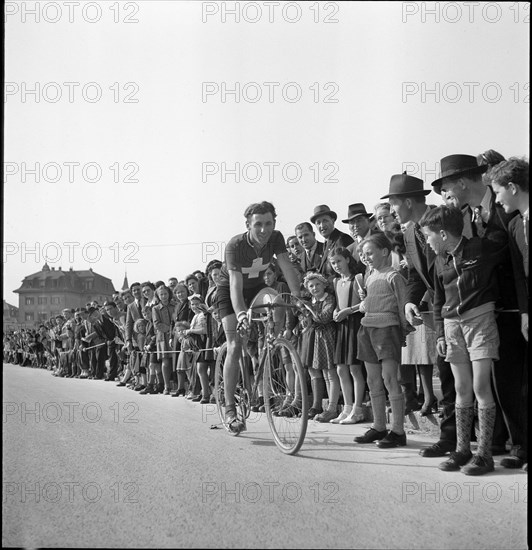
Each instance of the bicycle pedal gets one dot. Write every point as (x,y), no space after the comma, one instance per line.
(237,427)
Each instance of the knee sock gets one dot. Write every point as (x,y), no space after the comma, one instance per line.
(318,392)
(397,403)
(181,379)
(486,422)
(378,406)
(464,422)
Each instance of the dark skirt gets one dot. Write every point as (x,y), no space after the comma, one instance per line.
(345,352)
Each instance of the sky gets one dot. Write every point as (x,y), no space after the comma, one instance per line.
(136,133)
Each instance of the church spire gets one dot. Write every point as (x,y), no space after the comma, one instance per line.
(125,284)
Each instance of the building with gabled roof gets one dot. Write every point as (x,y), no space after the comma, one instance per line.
(46,293)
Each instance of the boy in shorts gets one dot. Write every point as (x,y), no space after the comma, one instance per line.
(464,317)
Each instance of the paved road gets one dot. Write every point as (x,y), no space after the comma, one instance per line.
(99,466)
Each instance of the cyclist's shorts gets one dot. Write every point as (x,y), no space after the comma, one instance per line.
(223,298)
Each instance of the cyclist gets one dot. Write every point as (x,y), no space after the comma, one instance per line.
(247,257)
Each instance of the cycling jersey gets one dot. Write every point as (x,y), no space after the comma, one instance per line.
(241,256)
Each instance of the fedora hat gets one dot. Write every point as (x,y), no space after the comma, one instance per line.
(456,166)
(403,184)
(323,210)
(356,210)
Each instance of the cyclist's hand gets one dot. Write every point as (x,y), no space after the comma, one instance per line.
(243,327)
(362,307)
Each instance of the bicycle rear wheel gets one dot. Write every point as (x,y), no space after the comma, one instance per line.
(241,393)
(288,431)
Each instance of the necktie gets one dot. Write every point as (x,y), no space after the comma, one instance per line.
(420,237)
(478,222)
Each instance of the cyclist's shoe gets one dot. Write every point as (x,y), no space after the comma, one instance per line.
(233,423)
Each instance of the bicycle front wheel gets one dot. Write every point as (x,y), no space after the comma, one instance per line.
(285,396)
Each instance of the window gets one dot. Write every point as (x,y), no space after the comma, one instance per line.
(88,285)
(42,283)
(43,316)
(54,300)
(54,283)
(29,301)
(29,316)
(42,301)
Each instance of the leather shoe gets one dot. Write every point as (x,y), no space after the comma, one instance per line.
(370,436)
(121,384)
(440,448)
(391,440)
(479,466)
(312,412)
(512,462)
(456,461)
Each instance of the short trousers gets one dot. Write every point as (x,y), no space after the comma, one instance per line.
(472,340)
(378,343)
(223,299)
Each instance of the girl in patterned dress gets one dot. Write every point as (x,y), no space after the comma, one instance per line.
(318,348)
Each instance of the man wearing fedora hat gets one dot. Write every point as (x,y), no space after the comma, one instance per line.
(312,249)
(408,200)
(461,184)
(359,221)
(324,218)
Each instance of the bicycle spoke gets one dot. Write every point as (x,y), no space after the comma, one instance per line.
(288,431)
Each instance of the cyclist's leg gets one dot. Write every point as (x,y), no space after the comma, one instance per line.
(231,365)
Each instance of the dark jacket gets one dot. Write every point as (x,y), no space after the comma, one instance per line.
(465,280)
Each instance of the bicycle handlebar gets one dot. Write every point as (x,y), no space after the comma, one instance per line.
(301,305)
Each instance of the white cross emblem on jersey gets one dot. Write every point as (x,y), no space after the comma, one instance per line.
(256,267)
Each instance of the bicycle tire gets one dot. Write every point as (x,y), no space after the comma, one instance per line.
(241,393)
(288,432)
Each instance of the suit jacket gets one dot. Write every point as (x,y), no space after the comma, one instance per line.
(314,263)
(133,313)
(519,254)
(421,260)
(336,238)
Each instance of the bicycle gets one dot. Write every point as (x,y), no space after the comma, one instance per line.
(279,390)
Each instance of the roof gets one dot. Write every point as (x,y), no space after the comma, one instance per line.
(69,278)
